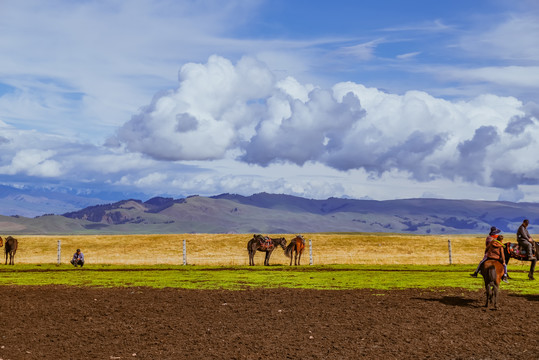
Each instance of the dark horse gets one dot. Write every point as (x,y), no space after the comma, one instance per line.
(512,250)
(296,247)
(10,248)
(492,271)
(263,243)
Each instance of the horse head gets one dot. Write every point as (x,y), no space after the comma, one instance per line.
(1,242)
(281,242)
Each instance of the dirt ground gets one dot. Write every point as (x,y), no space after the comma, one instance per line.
(140,323)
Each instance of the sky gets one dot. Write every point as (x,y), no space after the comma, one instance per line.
(381,100)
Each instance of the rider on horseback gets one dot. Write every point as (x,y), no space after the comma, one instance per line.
(492,236)
(495,251)
(524,239)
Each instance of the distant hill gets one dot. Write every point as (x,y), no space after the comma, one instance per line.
(274,213)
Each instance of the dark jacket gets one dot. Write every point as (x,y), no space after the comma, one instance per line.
(523,234)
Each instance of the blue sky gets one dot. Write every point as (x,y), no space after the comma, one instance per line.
(361,99)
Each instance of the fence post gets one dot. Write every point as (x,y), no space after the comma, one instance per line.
(184,253)
(450,252)
(310,252)
(59,251)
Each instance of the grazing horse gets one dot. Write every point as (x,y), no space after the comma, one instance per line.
(512,250)
(296,247)
(10,248)
(263,243)
(492,271)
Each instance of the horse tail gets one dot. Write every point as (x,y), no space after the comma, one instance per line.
(289,249)
(492,276)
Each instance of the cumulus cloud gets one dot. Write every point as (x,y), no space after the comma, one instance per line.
(33,162)
(221,108)
(205,116)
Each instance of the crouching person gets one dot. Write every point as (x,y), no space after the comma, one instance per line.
(78,259)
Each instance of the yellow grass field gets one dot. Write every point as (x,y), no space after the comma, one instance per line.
(226,249)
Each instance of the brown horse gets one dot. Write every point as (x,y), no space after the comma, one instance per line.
(10,248)
(492,271)
(263,243)
(296,247)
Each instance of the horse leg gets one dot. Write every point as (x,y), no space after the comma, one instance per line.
(532,269)
(488,293)
(495,289)
(299,257)
(253,253)
(290,259)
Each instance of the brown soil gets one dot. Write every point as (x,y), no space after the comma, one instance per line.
(140,323)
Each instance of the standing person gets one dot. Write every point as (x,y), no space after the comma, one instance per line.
(524,239)
(78,259)
(493,235)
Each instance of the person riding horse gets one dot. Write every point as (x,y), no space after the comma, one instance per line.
(525,241)
(492,236)
(495,251)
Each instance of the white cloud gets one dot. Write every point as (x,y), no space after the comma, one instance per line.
(408,55)
(33,162)
(509,76)
(364,51)
(515,38)
(220,108)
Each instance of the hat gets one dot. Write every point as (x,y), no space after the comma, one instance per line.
(78,250)
(494,230)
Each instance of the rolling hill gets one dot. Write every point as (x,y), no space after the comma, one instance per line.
(274,213)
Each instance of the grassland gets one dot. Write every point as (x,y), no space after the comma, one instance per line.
(230,250)
(327,277)
(340,261)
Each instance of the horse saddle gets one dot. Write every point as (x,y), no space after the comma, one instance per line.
(515,251)
(266,243)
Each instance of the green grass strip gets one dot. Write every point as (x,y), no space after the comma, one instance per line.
(335,277)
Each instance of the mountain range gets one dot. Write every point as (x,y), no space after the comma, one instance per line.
(277,213)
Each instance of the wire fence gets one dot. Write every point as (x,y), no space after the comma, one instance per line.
(231,249)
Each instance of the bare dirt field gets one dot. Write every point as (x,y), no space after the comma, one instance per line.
(55,322)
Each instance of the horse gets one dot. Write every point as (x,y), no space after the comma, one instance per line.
(297,245)
(263,243)
(512,250)
(10,248)
(492,271)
